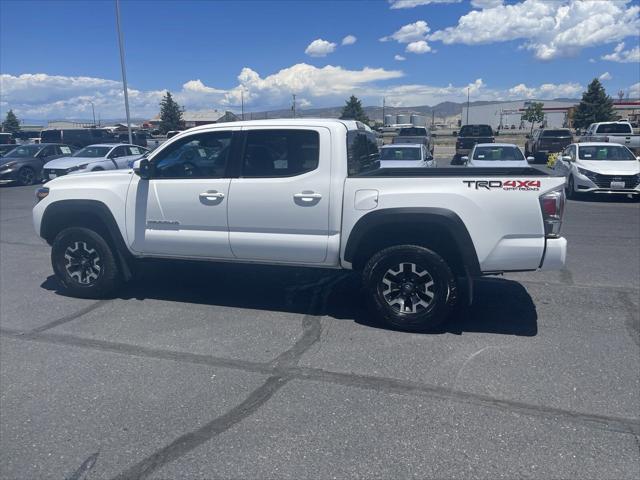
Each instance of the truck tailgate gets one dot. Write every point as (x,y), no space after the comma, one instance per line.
(499,207)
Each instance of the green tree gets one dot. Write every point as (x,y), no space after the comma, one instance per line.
(595,106)
(170,114)
(11,123)
(533,113)
(352,110)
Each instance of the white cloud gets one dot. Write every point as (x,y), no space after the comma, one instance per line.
(418,47)
(320,48)
(621,55)
(486,3)
(605,76)
(412,32)
(41,96)
(349,40)
(395,4)
(399,58)
(549,29)
(634,90)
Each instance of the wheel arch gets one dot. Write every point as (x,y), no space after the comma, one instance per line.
(439,229)
(91,214)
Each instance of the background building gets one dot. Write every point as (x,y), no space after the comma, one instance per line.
(557,113)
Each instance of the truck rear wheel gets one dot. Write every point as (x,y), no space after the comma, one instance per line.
(409,287)
(84,263)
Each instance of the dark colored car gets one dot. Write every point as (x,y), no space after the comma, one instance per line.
(545,141)
(469,136)
(78,137)
(23,164)
(6,139)
(138,138)
(5,148)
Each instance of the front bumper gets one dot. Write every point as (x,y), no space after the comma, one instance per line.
(584,184)
(555,254)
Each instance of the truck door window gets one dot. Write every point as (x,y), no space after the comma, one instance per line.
(202,155)
(280,153)
(363,154)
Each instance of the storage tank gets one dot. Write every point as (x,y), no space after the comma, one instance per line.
(418,120)
(388,119)
(403,119)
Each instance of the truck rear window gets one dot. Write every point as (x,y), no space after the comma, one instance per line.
(614,128)
(476,131)
(401,153)
(556,133)
(413,132)
(362,152)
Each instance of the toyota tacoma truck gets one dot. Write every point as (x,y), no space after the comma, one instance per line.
(614,132)
(307,193)
(545,141)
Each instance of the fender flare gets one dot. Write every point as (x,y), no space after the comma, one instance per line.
(440,217)
(55,211)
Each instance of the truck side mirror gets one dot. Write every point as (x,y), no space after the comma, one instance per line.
(142,168)
(566,158)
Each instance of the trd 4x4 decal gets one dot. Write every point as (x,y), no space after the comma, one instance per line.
(506,185)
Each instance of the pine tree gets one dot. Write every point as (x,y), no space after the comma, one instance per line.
(170,114)
(353,110)
(11,123)
(533,113)
(595,106)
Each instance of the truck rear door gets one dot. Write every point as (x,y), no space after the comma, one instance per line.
(279,206)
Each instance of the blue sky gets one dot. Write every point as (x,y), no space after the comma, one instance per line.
(56,56)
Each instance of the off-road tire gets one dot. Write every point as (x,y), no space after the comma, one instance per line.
(82,242)
(413,261)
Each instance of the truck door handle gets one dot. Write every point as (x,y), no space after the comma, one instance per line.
(307,196)
(212,194)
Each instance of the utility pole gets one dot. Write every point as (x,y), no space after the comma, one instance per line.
(467,106)
(124,71)
(293,107)
(93,110)
(433,118)
(384,104)
(242,102)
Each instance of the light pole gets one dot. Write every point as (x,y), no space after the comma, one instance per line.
(242,102)
(124,71)
(467,106)
(93,110)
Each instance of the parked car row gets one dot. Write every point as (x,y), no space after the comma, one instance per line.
(32,163)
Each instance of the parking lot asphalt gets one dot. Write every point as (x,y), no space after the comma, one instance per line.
(237,371)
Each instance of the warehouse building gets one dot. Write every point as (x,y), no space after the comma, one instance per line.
(557,114)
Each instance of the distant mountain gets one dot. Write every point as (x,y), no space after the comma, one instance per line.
(441,110)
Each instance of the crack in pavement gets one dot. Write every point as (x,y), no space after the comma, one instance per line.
(311,330)
(68,318)
(367,382)
(187,442)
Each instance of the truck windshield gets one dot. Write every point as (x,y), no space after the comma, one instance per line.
(400,153)
(556,133)
(614,128)
(605,152)
(24,151)
(497,153)
(413,132)
(476,131)
(92,152)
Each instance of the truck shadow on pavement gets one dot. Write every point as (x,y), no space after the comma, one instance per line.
(500,306)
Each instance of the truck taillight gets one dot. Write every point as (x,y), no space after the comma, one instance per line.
(552,206)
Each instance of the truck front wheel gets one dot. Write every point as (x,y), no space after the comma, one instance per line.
(84,263)
(409,287)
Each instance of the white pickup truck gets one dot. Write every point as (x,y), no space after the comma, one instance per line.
(308,193)
(613,132)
